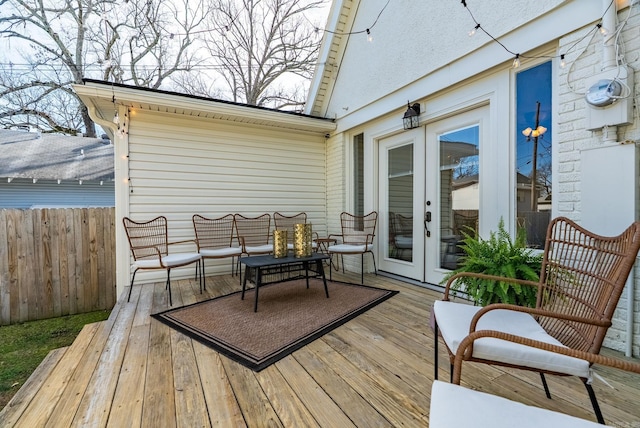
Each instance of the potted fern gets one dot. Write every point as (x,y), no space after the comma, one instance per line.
(499,256)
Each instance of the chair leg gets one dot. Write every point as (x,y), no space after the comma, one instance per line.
(545,386)
(203,278)
(131,285)
(594,401)
(168,287)
(362,268)
(375,268)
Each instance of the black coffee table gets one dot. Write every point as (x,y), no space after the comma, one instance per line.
(257,266)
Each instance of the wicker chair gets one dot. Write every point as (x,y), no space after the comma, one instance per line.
(581,280)
(284,222)
(357,237)
(215,239)
(150,248)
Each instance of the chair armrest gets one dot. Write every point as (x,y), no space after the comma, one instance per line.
(484,276)
(193,241)
(337,237)
(465,350)
(536,311)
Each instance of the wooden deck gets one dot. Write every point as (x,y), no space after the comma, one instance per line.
(375,370)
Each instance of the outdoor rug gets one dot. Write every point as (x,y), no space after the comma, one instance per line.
(289,316)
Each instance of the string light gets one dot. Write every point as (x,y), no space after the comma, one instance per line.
(367,30)
(516,62)
(369,36)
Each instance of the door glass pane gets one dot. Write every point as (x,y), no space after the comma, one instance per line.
(533,152)
(459,191)
(400,197)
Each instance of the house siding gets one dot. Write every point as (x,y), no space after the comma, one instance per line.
(181,166)
(22,193)
(573,137)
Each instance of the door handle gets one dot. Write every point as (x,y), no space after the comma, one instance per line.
(427,220)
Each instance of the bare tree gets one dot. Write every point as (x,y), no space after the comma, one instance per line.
(57,43)
(261,48)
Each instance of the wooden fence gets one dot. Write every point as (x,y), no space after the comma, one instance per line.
(56,262)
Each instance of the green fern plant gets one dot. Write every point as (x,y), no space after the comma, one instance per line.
(500,256)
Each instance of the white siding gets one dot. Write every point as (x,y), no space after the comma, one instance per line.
(183,166)
(23,194)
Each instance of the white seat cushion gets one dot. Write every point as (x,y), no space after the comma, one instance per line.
(313,245)
(454,320)
(459,407)
(221,252)
(403,242)
(171,260)
(259,249)
(349,249)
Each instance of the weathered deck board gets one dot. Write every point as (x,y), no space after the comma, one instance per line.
(375,370)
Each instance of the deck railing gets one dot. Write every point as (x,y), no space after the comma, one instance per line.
(56,262)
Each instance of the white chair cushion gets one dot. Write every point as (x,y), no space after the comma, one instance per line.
(259,249)
(349,249)
(170,260)
(454,320)
(221,252)
(455,406)
(313,245)
(403,242)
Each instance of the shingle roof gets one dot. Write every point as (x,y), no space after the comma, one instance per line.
(54,157)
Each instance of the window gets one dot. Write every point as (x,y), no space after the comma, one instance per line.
(533,152)
(358,174)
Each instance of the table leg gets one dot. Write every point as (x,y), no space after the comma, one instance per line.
(258,281)
(320,265)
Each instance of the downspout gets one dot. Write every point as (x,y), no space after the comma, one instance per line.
(609,60)
(609,135)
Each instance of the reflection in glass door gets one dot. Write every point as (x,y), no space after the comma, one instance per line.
(459,191)
(400,202)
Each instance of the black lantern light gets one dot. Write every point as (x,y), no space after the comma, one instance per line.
(410,119)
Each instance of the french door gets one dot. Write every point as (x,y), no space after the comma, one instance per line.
(401,196)
(453,188)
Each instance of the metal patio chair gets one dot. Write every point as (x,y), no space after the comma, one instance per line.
(581,280)
(285,222)
(215,238)
(358,232)
(150,248)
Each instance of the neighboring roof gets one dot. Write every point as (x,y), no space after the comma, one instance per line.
(34,155)
(101,97)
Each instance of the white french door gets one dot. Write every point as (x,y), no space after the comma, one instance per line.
(401,196)
(453,187)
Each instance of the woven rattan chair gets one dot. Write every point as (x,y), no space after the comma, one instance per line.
(358,232)
(150,248)
(216,239)
(581,280)
(490,411)
(285,222)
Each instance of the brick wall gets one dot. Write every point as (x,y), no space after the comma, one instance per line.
(584,61)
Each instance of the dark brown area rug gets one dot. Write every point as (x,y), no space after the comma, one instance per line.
(289,316)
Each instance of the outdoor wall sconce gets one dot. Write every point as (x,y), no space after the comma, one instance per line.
(411,117)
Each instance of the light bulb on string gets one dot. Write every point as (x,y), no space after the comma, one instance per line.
(516,61)
(473,31)
(603,30)
(369,36)
(562,62)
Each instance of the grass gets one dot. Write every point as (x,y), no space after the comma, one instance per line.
(24,346)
